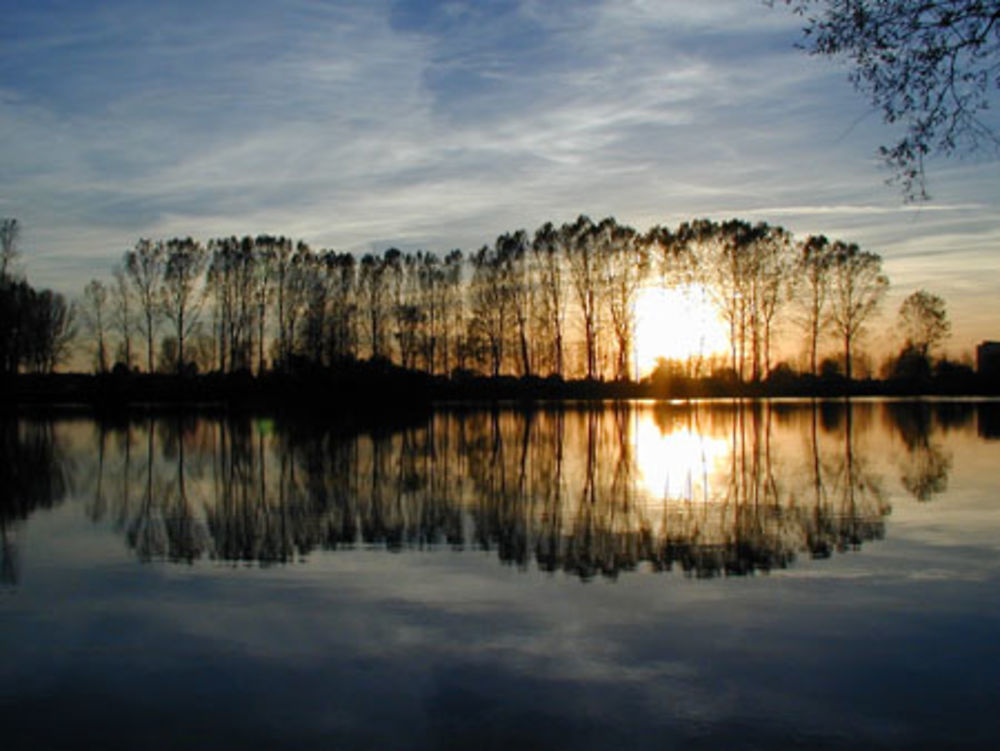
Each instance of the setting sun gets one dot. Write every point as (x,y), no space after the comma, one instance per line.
(675,324)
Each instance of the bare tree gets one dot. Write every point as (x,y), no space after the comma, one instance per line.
(183,289)
(858,286)
(10,231)
(626,267)
(231,279)
(296,295)
(16,304)
(815,259)
(373,295)
(586,272)
(549,252)
(263,289)
(95,318)
(144,266)
(341,335)
(123,314)
(775,269)
(283,281)
(51,327)
(12,299)
(490,304)
(428,289)
(512,253)
(453,307)
(408,308)
(722,266)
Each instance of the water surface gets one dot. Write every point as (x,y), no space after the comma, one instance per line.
(645,576)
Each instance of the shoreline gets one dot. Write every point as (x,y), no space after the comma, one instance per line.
(367,387)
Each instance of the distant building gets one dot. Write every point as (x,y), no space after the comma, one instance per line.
(988,359)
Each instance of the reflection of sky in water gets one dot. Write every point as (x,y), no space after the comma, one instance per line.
(891,647)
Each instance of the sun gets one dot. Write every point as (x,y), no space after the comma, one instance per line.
(677,324)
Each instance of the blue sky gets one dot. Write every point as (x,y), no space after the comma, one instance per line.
(359,125)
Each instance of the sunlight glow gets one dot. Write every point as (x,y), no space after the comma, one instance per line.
(678,465)
(677,324)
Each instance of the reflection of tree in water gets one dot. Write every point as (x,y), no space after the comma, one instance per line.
(149,501)
(926,464)
(33,475)
(563,488)
(603,522)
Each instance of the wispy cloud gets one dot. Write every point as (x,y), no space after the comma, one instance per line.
(355,124)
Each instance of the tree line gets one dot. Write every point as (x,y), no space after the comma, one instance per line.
(558,302)
(37,326)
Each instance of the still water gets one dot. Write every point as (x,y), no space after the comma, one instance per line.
(709,575)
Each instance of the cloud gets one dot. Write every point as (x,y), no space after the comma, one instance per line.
(361,124)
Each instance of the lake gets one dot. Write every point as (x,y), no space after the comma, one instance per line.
(699,575)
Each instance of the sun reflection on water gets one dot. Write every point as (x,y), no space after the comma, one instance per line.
(678,464)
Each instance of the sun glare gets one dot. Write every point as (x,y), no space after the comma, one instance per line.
(678,465)
(677,324)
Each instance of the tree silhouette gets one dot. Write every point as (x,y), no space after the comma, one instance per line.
(374,300)
(858,287)
(123,315)
(491,301)
(144,267)
(10,232)
(924,321)
(930,66)
(183,292)
(95,318)
(548,252)
(513,252)
(50,329)
(587,275)
(626,266)
(815,260)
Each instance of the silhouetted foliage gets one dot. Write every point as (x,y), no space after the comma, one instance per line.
(924,322)
(36,328)
(929,66)
(144,269)
(858,286)
(559,303)
(94,313)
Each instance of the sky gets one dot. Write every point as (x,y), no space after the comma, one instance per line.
(438,125)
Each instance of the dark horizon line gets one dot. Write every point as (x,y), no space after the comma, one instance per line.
(368,385)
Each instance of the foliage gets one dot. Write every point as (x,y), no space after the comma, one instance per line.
(811,291)
(858,286)
(909,365)
(10,231)
(37,327)
(182,291)
(932,67)
(144,269)
(94,316)
(924,322)
(559,302)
